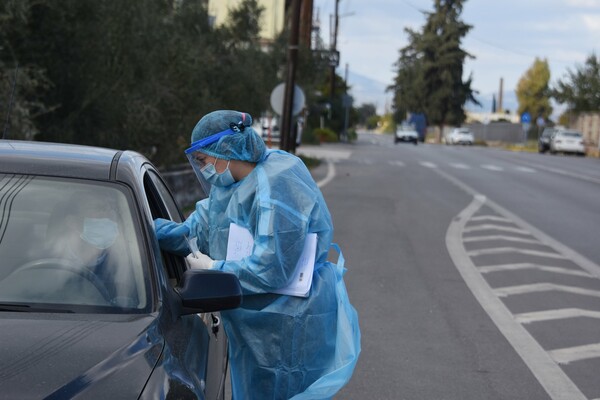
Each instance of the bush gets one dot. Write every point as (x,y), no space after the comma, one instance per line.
(309,136)
(325,135)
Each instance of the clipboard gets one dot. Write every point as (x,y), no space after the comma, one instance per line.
(240,244)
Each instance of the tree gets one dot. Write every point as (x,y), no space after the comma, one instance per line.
(580,89)
(533,92)
(430,68)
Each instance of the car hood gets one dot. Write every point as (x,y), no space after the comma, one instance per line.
(70,355)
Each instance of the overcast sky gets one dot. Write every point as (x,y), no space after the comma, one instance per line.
(505,38)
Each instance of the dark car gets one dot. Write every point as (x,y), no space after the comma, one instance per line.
(545,139)
(89,305)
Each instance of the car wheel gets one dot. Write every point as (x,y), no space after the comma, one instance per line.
(416,142)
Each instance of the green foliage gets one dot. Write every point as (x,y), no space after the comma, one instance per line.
(533,92)
(430,68)
(373,122)
(580,88)
(130,74)
(364,112)
(325,135)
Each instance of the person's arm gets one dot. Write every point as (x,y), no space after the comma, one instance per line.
(172,236)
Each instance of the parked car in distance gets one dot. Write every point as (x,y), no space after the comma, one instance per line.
(406,133)
(90,307)
(567,141)
(460,136)
(544,139)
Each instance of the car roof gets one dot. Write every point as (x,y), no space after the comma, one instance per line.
(65,160)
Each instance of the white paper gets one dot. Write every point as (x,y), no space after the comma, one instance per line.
(241,242)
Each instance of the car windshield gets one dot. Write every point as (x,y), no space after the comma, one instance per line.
(571,134)
(68,245)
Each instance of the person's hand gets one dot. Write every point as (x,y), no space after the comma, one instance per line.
(198,260)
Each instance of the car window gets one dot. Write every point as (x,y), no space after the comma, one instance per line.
(162,205)
(70,243)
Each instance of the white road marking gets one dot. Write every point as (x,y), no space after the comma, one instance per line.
(544,287)
(501,250)
(525,169)
(552,378)
(492,167)
(490,218)
(397,163)
(428,164)
(551,315)
(577,353)
(485,227)
(330,175)
(459,166)
(547,268)
(500,237)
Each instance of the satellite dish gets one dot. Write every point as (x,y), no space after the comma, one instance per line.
(277,99)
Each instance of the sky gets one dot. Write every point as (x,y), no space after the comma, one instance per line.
(505,39)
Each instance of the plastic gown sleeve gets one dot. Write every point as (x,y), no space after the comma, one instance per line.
(171,236)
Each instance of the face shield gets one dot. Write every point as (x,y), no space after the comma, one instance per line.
(197,157)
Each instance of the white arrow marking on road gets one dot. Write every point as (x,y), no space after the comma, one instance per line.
(495,227)
(547,268)
(550,315)
(428,164)
(492,167)
(577,353)
(543,287)
(500,237)
(500,250)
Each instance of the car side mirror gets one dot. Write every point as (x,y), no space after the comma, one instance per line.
(206,290)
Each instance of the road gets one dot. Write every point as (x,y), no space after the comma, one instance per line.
(474,271)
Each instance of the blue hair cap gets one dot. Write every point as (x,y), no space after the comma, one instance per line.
(237,139)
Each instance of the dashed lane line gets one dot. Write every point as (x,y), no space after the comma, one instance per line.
(428,164)
(459,166)
(521,266)
(492,167)
(551,315)
(525,169)
(504,250)
(543,287)
(397,163)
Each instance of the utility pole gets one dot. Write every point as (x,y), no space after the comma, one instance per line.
(287,142)
(333,49)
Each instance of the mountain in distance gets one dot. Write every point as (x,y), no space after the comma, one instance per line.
(366,90)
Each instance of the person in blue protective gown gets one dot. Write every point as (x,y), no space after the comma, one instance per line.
(280,346)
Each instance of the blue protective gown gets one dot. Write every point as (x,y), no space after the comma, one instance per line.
(281,346)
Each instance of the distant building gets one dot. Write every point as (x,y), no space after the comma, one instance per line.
(272,21)
(273,18)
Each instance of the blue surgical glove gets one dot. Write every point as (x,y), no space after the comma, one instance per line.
(172,236)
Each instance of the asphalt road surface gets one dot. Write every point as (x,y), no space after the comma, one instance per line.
(474,271)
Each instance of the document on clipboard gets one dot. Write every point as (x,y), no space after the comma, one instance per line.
(241,242)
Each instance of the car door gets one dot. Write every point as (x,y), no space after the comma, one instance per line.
(214,342)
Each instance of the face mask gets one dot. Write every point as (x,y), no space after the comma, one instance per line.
(99,232)
(223,179)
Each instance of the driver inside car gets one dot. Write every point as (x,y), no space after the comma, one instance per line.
(84,231)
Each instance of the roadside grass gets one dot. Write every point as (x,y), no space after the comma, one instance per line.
(310,162)
(530,147)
